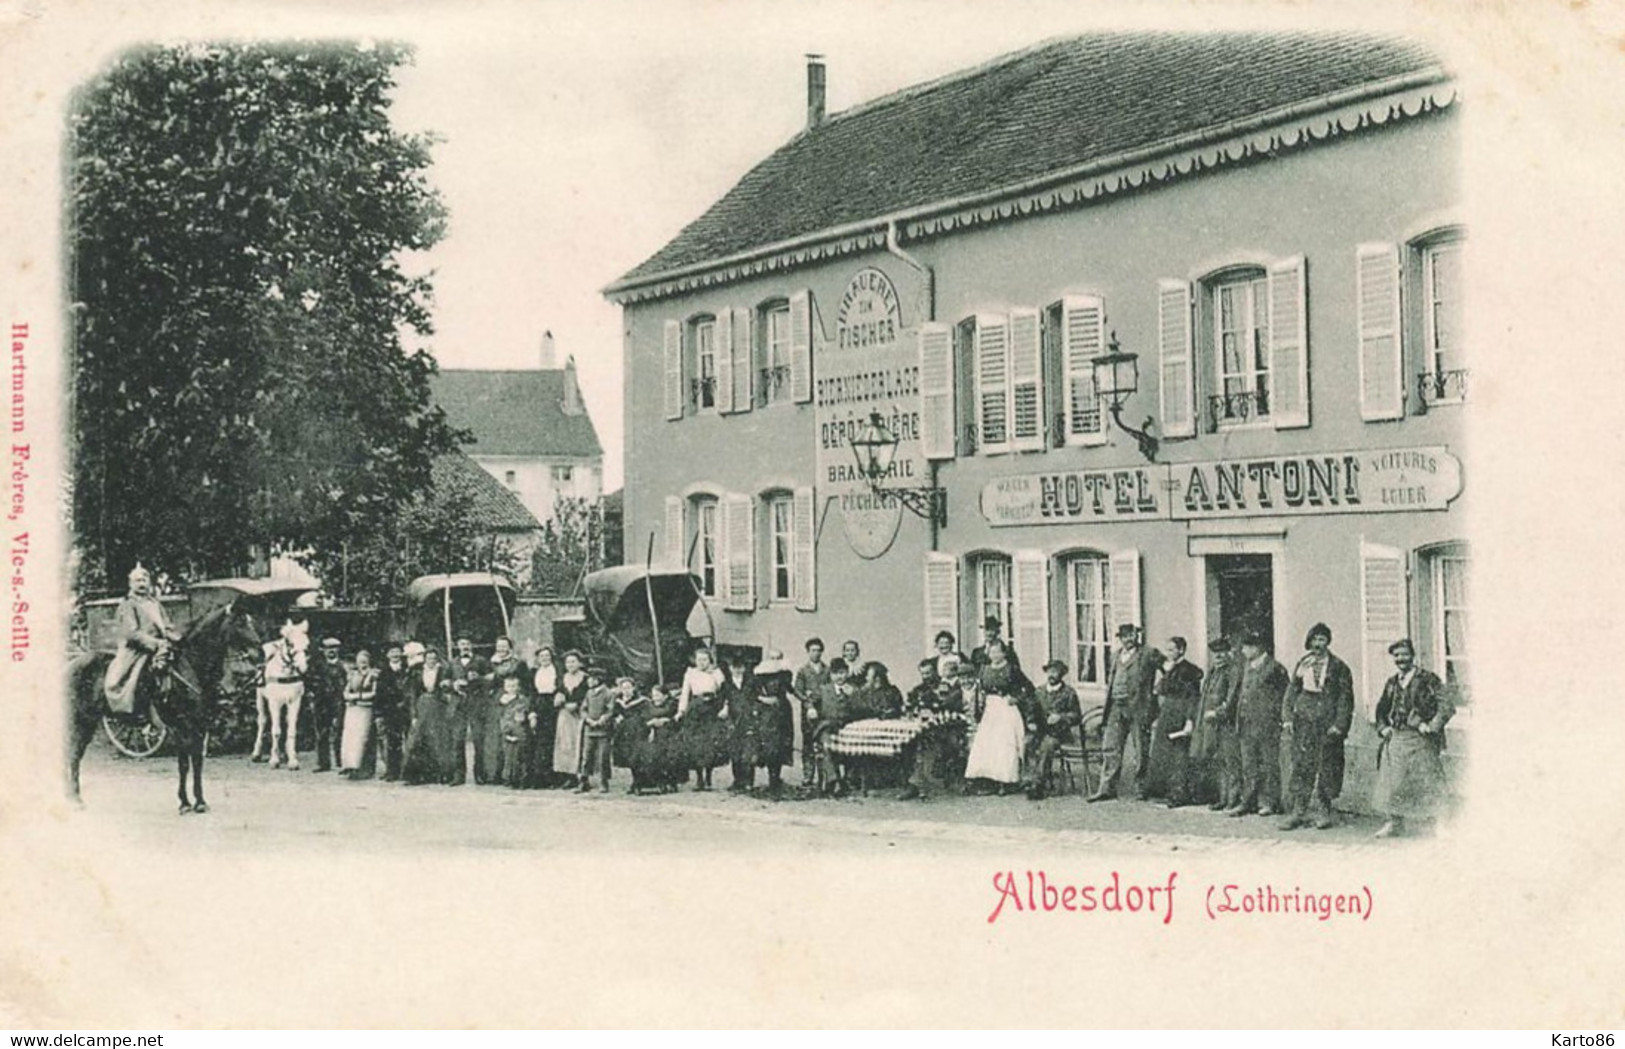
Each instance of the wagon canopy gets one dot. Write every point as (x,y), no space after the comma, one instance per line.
(449,605)
(264,597)
(620,623)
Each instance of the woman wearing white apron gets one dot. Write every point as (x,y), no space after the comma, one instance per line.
(357,753)
(571,695)
(1001,734)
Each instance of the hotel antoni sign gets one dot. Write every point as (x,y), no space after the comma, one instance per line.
(1382,480)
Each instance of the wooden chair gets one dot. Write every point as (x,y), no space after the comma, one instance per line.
(1089,753)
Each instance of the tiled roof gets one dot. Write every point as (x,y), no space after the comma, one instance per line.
(495,508)
(515,413)
(1038,112)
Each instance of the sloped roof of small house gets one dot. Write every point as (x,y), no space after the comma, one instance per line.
(1050,109)
(516,413)
(495,509)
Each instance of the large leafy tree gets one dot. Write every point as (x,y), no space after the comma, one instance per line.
(244,322)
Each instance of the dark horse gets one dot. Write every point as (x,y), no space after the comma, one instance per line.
(183,694)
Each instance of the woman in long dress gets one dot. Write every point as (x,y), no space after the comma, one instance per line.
(700,712)
(567,727)
(1001,734)
(356,757)
(544,686)
(427,744)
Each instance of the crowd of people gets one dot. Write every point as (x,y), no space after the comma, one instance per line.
(1203,736)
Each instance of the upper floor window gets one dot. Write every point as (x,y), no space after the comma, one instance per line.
(1240,350)
(510,478)
(1443,376)
(773,351)
(1412,318)
(563,473)
(703,337)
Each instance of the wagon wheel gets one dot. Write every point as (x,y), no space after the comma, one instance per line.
(135,739)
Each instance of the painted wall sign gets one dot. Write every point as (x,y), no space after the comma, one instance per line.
(871,365)
(1385,480)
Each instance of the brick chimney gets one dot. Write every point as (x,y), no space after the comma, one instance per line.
(572,392)
(549,355)
(815,91)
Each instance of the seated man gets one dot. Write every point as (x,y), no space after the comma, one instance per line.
(145,635)
(827,714)
(922,695)
(942,743)
(1054,716)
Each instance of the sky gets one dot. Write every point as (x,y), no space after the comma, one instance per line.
(577,141)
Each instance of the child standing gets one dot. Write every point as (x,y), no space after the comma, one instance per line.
(598,724)
(513,723)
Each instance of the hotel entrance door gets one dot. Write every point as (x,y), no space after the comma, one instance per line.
(1241,594)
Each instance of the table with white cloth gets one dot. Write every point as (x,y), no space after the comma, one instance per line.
(888,737)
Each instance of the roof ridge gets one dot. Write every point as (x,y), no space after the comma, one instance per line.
(914,90)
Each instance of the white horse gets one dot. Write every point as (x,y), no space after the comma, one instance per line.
(281,694)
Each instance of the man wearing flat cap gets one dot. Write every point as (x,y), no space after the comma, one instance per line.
(1130,709)
(1411,717)
(326,690)
(1055,715)
(1318,707)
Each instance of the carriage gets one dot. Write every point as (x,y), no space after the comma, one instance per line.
(267,601)
(636,621)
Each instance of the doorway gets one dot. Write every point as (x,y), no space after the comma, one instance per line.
(1241,595)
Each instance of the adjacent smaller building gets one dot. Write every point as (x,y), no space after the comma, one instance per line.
(532,431)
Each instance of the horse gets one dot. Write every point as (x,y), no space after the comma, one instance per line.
(280,696)
(183,693)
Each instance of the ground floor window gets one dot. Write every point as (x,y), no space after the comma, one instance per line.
(781,547)
(1445,575)
(705,544)
(993,590)
(1089,603)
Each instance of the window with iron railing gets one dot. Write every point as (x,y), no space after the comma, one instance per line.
(1443,378)
(1241,351)
(773,353)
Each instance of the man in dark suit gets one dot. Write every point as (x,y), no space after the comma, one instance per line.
(393,712)
(1258,724)
(1131,706)
(1055,716)
(325,687)
(1215,750)
(1179,696)
(1318,707)
(472,678)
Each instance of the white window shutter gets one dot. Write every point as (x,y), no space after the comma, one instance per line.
(804,548)
(941,597)
(1383,616)
(801,387)
(993,382)
(936,390)
(1382,373)
(1026,381)
(676,535)
(674,369)
(722,347)
(1029,570)
(739,544)
(1176,374)
(744,395)
(1083,337)
(1289,344)
(1125,590)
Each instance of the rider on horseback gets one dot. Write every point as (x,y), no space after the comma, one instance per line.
(145,636)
